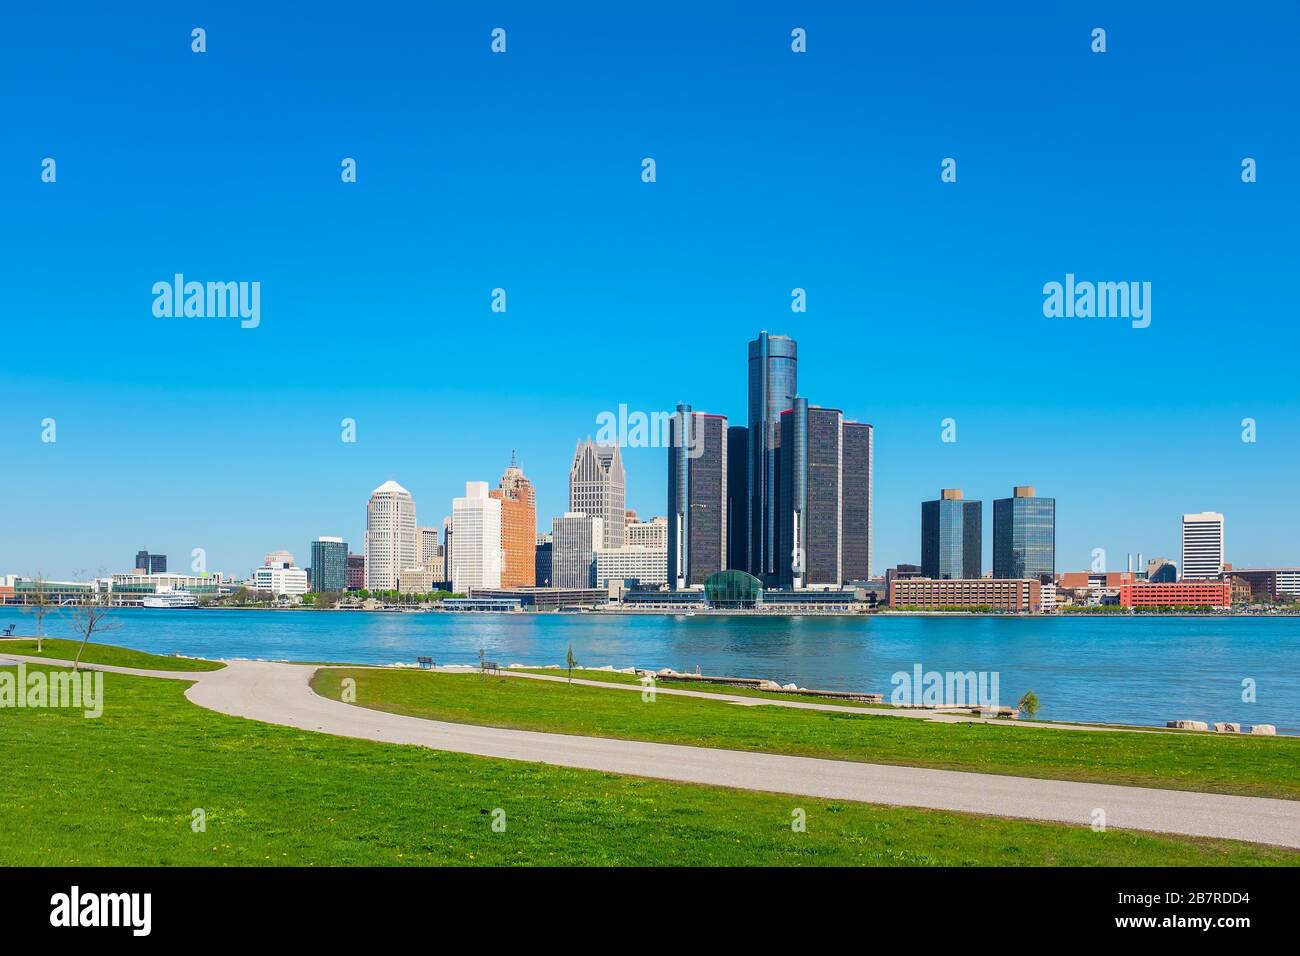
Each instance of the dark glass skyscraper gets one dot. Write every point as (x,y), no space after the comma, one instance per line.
(810,489)
(773,383)
(150,563)
(856,511)
(951,537)
(697,497)
(1024,535)
(329,565)
(737,497)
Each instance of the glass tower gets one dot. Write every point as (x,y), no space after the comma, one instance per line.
(773,382)
(951,537)
(1024,535)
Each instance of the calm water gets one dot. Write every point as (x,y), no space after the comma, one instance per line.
(1143,671)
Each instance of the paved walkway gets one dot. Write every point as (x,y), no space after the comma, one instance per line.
(281,694)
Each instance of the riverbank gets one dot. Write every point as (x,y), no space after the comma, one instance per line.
(1134,671)
(273,795)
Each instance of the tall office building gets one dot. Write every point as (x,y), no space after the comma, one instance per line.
(448,559)
(430,550)
(737,497)
(329,565)
(147,563)
(575,539)
(518,528)
(542,573)
(598,487)
(773,384)
(1202,546)
(356,572)
(859,440)
(810,485)
(391,545)
(1024,535)
(477,542)
(697,497)
(951,537)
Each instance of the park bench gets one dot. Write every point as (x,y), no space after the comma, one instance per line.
(491,667)
(425,662)
(8,632)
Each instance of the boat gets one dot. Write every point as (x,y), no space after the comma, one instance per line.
(169,598)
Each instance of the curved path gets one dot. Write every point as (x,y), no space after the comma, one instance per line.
(281,694)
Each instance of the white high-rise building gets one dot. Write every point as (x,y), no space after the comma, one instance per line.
(430,551)
(598,487)
(575,539)
(1202,546)
(476,543)
(391,543)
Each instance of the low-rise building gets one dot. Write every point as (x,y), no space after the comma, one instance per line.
(644,566)
(280,581)
(1020,595)
(419,581)
(1178,594)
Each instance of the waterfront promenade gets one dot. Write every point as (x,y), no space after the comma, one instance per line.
(280,693)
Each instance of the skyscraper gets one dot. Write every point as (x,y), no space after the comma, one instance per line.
(329,565)
(542,573)
(951,537)
(518,528)
(448,558)
(356,572)
(810,483)
(697,497)
(859,479)
(598,487)
(1202,546)
(1024,535)
(147,563)
(391,545)
(737,497)
(773,384)
(430,550)
(477,542)
(575,539)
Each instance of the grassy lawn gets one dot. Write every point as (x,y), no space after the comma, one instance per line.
(62,650)
(121,789)
(616,677)
(1243,765)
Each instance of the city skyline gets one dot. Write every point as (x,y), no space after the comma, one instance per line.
(823,176)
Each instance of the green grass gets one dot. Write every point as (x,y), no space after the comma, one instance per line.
(617,677)
(1268,767)
(120,790)
(62,650)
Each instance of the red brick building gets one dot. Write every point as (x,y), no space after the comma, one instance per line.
(1177,594)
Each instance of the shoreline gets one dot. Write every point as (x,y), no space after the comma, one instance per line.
(720,612)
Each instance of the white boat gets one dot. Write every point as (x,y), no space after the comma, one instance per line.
(169,598)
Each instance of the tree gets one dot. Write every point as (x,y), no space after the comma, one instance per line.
(572,662)
(40,605)
(1028,703)
(89,616)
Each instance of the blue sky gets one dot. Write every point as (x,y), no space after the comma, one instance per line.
(522,171)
